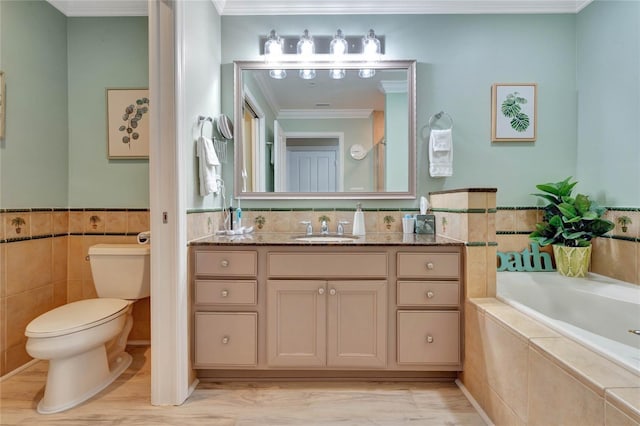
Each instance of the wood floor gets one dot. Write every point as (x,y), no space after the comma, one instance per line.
(127,402)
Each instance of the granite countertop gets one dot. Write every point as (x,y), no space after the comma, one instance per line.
(289,239)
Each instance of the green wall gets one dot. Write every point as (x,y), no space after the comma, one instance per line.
(33,155)
(57,69)
(459,58)
(609,102)
(104,53)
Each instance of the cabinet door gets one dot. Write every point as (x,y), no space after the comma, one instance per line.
(226,339)
(296,327)
(357,324)
(429,337)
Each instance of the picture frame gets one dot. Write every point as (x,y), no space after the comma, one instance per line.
(127,123)
(3,102)
(514,116)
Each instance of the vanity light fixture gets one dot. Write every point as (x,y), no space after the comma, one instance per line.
(273,50)
(338,48)
(306,49)
(371,46)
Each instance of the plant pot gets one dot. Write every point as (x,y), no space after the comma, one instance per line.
(572,261)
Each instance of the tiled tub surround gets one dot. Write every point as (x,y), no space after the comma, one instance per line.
(523,373)
(44,266)
(615,255)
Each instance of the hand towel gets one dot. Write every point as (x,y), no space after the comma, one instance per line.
(207,164)
(440,153)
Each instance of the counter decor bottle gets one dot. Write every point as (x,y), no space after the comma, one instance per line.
(358,221)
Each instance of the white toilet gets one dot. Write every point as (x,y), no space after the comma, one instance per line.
(84,341)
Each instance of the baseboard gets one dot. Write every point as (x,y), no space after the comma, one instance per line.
(474,403)
(18,370)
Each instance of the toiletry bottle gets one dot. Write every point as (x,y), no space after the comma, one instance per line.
(358,221)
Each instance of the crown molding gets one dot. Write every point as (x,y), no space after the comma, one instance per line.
(393,86)
(85,8)
(301,114)
(379,7)
(332,7)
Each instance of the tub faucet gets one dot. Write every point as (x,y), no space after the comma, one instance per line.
(324,228)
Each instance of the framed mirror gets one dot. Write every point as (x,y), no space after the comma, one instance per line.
(322,132)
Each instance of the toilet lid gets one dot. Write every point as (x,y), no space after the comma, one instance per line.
(76,316)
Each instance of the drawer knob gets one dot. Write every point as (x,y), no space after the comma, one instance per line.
(430,294)
(224,263)
(429,265)
(225,340)
(332,292)
(321,290)
(224,293)
(429,339)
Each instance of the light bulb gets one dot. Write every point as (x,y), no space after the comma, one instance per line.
(337,74)
(305,45)
(371,45)
(278,74)
(307,74)
(338,46)
(273,47)
(366,73)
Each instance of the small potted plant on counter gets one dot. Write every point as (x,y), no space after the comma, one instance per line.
(569,224)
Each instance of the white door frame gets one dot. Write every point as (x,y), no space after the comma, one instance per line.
(259,167)
(281,175)
(170,368)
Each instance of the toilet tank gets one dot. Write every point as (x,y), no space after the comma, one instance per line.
(121,270)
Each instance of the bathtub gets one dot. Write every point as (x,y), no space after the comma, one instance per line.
(596,311)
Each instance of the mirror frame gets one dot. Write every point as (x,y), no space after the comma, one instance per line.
(409,65)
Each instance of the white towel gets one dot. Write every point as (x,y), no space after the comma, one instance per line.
(207,164)
(440,153)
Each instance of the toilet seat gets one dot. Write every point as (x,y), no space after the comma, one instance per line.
(76,316)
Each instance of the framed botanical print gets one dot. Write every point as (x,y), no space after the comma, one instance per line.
(513,112)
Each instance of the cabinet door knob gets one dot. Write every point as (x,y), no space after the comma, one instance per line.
(332,292)
(429,265)
(429,339)
(225,340)
(224,293)
(321,290)
(224,263)
(430,294)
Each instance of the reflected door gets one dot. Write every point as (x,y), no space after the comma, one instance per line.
(311,170)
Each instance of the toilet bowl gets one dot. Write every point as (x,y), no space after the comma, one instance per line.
(85,341)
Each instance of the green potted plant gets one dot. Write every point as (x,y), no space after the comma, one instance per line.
(569,224)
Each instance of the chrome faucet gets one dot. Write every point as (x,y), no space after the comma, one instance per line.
(309,227)
(324,228)
(341,226)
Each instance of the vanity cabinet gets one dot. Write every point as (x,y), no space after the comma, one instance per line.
(317,323)
(428,316)
(226,318)
(303,310)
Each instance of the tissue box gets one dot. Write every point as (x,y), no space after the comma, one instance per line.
(425,224)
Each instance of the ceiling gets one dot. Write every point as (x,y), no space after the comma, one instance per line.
(330,7)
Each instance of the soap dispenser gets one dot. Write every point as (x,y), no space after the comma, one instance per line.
(358,221)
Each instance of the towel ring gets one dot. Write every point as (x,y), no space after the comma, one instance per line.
(438,116)
(201,121)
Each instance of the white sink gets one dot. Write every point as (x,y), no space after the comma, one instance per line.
(326,239)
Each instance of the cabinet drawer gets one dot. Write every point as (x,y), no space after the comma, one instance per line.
(328,265)
(221,292)
(428,293)
(428,337)
(428,265)
(226,263)
(226,338)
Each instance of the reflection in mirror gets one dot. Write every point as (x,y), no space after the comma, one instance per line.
(325,137)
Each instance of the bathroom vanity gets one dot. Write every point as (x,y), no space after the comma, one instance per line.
(386,304)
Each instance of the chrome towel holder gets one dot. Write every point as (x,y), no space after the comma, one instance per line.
(438,116)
